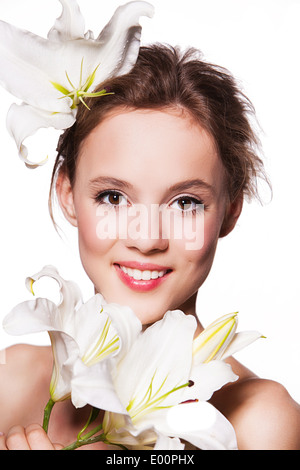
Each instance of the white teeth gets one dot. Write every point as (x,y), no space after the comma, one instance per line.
(137,274)
(146,275)
(142,275)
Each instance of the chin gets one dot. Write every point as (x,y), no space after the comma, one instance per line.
(148,319)
(148,315)
(149,307)
(144,308)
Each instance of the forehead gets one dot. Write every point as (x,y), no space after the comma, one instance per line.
(161,146)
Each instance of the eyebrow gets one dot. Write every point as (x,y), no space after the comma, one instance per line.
(194,183)
(177,187)
(110,181)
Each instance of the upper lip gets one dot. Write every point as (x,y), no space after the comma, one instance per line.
(143,266)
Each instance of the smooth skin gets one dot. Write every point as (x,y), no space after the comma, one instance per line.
(147,157)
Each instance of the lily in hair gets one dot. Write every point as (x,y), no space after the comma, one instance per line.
(53,76)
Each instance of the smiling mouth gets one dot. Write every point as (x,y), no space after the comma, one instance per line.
(145,275)
(144,279)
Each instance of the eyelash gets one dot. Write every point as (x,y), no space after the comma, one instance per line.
(99,199)
(191,200)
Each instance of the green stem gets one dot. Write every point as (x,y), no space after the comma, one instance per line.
(92,440)
(93,415)
(84,442)
(88,435)
(47,413)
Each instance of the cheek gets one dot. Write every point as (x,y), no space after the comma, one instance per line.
(198,251)
(94,235)
(211,233)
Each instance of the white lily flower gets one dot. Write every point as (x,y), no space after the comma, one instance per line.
(52,76)
(86,338)
(160,366)
(219,340)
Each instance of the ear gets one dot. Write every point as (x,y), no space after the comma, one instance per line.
(65,197)
(233,212)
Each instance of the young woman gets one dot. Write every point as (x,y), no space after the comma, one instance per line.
(173,136)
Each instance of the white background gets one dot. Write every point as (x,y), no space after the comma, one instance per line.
(256,270)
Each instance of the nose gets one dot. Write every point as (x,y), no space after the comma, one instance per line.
(145,229)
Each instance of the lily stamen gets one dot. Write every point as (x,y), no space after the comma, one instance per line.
(77,94)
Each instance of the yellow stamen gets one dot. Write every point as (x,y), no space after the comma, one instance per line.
(78,94)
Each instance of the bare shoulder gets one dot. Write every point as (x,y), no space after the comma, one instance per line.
(23,376)
(263,414)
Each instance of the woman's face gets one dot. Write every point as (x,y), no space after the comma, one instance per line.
(149,201)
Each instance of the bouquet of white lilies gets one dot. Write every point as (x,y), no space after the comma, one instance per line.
(153,385)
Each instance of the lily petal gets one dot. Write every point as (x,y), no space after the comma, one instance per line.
(127,325)
(70,25)
(40,315)
(65,353)
(94,386)
(240,341)
(168,443)
(103,329)
(26,69)
(23,121)
(118,429)
(33,316)
(200,424)
(70,294)
(121,38)
(208,378)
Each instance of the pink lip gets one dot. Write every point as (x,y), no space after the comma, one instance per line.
(142,285)
(143,266)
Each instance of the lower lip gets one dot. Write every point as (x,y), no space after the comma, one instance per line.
(142,285)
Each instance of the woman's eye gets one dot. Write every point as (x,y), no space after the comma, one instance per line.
(112,198)
(187,204)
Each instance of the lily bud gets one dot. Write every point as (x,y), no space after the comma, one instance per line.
(213,341)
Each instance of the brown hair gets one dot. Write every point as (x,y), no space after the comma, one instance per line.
(163,77)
